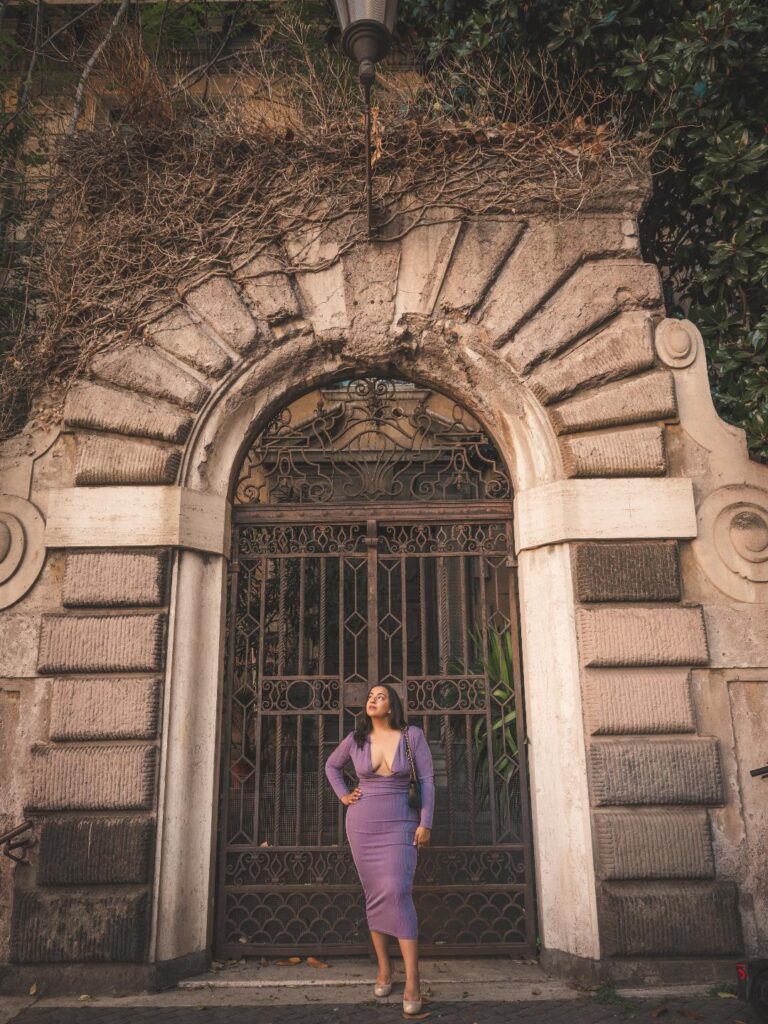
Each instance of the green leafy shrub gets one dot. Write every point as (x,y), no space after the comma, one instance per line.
(694,75)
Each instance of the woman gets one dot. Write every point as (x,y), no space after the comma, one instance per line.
(384,833)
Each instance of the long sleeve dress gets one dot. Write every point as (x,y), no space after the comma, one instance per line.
(380,827)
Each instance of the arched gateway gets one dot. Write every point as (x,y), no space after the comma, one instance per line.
(360,525)
(371,542)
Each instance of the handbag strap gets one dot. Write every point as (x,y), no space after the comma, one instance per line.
(410,755)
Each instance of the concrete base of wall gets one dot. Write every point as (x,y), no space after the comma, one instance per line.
(99,979)
(649,972)
(129,979)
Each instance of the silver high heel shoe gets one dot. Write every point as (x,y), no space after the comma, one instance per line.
(412,1005)
(382,990)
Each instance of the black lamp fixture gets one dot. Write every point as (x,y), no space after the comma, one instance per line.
(367,27)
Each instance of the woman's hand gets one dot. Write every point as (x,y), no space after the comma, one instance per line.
(422,836)
(350,798)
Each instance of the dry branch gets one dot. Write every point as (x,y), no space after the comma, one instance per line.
(181,187)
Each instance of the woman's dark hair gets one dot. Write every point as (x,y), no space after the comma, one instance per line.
(396,715)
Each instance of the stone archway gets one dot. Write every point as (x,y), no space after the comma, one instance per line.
(552,334)
(372,542)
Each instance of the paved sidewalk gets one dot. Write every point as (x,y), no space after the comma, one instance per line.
(596,1008)
(484,990)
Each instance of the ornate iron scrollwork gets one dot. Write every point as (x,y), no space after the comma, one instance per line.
(373,440)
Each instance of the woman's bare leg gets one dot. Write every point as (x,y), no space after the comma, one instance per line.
(381,945)
(410,951)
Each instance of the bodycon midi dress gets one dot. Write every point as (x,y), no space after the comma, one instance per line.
(380,827)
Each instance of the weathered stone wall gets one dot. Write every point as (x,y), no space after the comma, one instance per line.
(553,333)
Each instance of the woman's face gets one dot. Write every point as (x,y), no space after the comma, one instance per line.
(377,705)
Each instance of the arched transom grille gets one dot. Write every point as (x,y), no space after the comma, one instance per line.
(372,440)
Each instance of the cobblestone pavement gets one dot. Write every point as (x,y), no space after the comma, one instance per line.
(589,1010)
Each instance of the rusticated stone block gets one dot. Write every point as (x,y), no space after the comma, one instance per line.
(104,709)
(651,397)
(115,643)
(595,292)
(100,408)
(143,369)
(626,572)
(642,701)
(641,636)
(85,928)
(653,844)
(655,772)
(627,453)
(178,334)
(623,348)
(106,460)
(104,777)
(114,579)
(217,301)
(669,918)
(95,851)
(269,288)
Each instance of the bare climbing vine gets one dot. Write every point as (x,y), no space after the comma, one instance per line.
(184,183)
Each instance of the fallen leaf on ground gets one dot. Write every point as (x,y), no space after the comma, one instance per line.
(85,998)
(290,962)
(726,995)
(314,962)
(33,989)
(658,1011)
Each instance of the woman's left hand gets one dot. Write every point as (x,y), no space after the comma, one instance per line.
(422,836)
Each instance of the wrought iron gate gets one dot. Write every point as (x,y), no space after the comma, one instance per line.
(329,595)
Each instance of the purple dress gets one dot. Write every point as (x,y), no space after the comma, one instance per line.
(380,827)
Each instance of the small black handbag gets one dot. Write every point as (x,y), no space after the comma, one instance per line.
(414,787)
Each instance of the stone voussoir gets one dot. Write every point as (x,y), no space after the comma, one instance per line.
(114,643)
(95,851)
(653,844)
(655,771)
(639,701)
(104,709)
(115,579)
(548,253)
(110,460)
(269,289)
(480,252)
(55,928)
(596,292)
(114,776)
(97,407)
(624,453)
(619,350)
(626,571)
(177,333)
(142,368)
(650,397)
(669,919)
(619,637)
(218,302)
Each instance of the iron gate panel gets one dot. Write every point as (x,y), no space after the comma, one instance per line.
(325,601)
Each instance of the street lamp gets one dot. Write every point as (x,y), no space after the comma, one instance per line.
(367,27)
